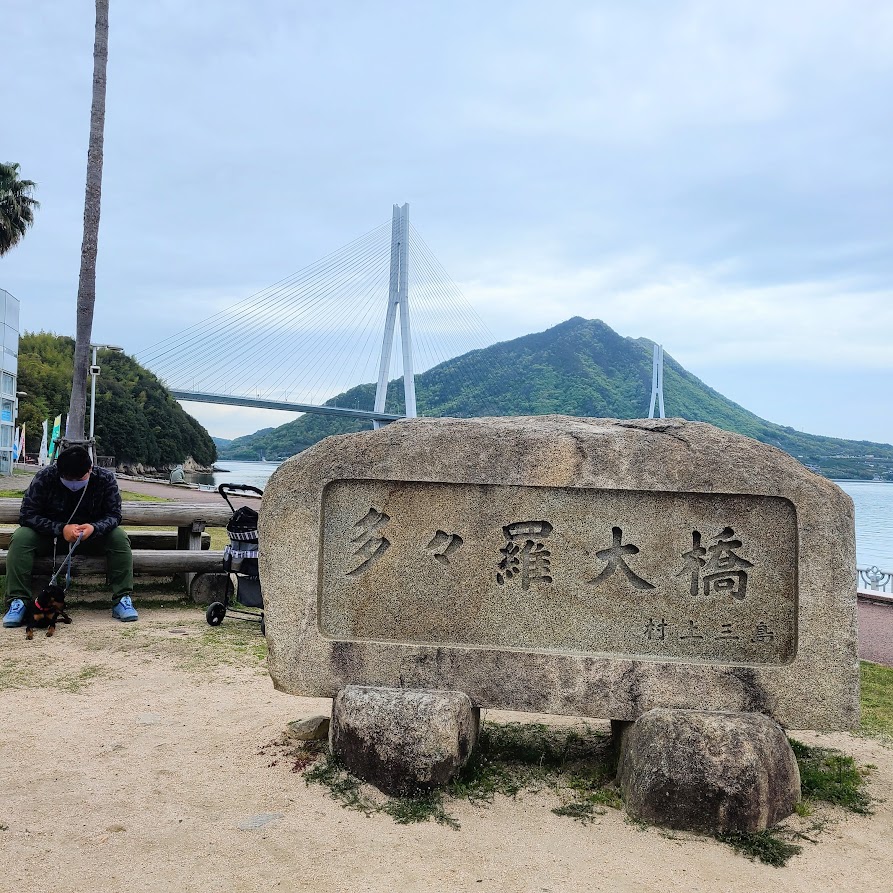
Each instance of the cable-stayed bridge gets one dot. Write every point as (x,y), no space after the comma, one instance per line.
(328,328)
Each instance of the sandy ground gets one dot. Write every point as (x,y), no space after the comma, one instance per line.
(132,754)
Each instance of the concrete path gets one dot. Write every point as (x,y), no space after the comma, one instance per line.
(182,494)
(876,632)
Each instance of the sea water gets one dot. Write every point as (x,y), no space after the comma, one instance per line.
(874,522)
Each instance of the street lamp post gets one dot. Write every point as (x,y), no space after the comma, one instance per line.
(94,374)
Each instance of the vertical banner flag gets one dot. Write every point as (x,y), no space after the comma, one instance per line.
(15,446)
(44,454)
(54,437)
(22,445)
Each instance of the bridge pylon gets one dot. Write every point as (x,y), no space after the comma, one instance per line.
(657,382)
(398,298)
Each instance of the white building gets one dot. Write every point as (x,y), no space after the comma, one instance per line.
(9,372)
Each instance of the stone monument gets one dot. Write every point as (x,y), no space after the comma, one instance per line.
(592,567)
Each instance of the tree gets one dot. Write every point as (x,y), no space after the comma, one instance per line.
(17,206)
(87,279)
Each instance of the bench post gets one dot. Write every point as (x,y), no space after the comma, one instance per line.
(190,537)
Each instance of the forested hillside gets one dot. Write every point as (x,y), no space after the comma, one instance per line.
(137,420)
(579,368)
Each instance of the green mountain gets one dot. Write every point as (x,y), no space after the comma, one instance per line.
(579,368)
(137,420)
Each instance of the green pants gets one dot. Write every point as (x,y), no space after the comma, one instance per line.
(27,544)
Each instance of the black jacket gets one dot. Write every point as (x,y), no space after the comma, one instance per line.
(48,504)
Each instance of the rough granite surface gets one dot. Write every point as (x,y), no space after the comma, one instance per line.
(403,742)
(711,772)
(309,728)
(591,567)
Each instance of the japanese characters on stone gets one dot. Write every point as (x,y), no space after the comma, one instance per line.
(694,577)
(526,557)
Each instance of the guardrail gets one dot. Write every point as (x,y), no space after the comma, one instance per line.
(873,579)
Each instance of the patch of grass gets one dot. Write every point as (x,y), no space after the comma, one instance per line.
(342,786)
(21,674)
(76,682)
(193,647)
(13,494)
(408,810)
(130,496)
(833,777)
(766,846)
(877,700)
(15,674)
(576,764)
(352,793)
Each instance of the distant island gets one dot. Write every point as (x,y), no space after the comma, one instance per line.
(138,422)
(579,368)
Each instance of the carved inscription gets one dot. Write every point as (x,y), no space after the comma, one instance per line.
(443,545)
(614,559)
(525,554)
(687,577)
(372,545)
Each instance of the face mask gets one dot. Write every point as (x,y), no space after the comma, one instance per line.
(75,485)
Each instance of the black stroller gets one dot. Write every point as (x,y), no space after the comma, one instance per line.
(240,558)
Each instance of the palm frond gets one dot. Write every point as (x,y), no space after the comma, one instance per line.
(17,206)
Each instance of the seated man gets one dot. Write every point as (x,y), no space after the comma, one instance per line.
(65,500)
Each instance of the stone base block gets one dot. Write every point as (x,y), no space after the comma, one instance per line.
(707,771)
(403,741)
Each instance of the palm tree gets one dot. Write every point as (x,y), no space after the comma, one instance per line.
(16,206)
(87,279)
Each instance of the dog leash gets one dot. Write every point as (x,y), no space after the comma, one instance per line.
(66,563)
(70,519)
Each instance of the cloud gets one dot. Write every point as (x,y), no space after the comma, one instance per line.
(711,175)
(701,316)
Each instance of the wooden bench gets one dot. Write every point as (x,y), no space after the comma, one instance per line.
(139,539)
(192,555)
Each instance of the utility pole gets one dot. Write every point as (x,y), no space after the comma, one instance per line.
(94,374)
(657,382)
(398,297)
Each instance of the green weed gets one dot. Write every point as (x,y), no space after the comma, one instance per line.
(408,810)
(576,764)
(342,786)
(766,846)
(832,777)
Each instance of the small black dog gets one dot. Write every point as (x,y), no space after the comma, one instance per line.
(43,611)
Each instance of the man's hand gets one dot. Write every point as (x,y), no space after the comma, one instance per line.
(72,531)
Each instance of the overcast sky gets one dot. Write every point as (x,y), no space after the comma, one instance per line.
(714,176)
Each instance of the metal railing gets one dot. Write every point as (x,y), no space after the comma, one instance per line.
(874,579)
(101,461)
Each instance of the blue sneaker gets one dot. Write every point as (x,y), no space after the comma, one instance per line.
(15,616)
(125,610)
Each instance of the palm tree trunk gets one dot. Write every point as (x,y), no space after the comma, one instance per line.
(87,280)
